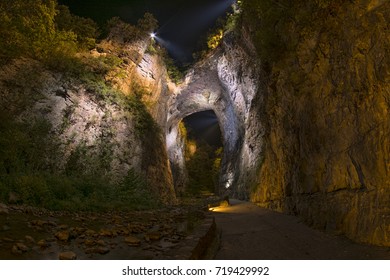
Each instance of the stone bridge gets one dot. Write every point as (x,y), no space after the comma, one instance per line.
(225,83)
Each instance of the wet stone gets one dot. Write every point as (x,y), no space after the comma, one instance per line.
(62,236)
(153,236)
(21,247)
(101,242)
(43,244)
(89,242)
(132,241)
(67,256)
(29,239)
(90,232)
(105,232)
(16,251)
(38,223)
(97,250)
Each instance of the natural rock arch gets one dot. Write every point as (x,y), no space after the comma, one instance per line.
(216,83)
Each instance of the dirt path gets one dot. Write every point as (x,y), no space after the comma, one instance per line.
(250,232)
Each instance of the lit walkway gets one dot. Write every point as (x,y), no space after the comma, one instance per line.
(250,232)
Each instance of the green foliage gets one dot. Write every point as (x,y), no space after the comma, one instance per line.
(175,74)
(23,146)
(85,29)
(121,31)
(147,24)
(203,168)
(125,33)
(28,155)
(134,191)
(75,193)
(215,39)
(27,28)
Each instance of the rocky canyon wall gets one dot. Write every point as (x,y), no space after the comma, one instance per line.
(324,112)
(90,128)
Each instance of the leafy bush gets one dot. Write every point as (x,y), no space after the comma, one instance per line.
(123,32)
(203,167)
(85,29)
(75,193)
(27,28)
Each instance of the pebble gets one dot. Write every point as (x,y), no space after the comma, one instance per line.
(153,236)
(89,242)
(29,239)
(67,256)
(62,236)
(106,232)
(19,248)
(132,241)
(63,227)
(38,223)
(101,242)
(42,243)
(90,232)
(15,250)
(97,250)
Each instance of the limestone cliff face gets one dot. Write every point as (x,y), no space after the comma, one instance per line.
(324,110)
(92,133)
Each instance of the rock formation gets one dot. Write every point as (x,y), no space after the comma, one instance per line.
(306,130)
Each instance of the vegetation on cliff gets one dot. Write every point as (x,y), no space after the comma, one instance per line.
(42,41)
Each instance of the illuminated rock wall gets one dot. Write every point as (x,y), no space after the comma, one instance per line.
(91,133)
(325,111)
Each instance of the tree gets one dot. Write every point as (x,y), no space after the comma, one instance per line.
(28,29)
(148,23)
(85,28)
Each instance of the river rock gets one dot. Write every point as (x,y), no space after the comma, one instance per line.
(153,236)
(62,236)
(29,239)
(21,247)
(43,244)
(89,242)
(102,250)
(106,232)
(132,241)
(67,256)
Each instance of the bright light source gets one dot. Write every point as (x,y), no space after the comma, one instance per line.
(152,35)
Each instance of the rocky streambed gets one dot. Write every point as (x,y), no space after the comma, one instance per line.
(31,233)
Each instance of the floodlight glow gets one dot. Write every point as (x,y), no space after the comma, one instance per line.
(152,35)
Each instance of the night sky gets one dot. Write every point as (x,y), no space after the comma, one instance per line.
(182,22)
